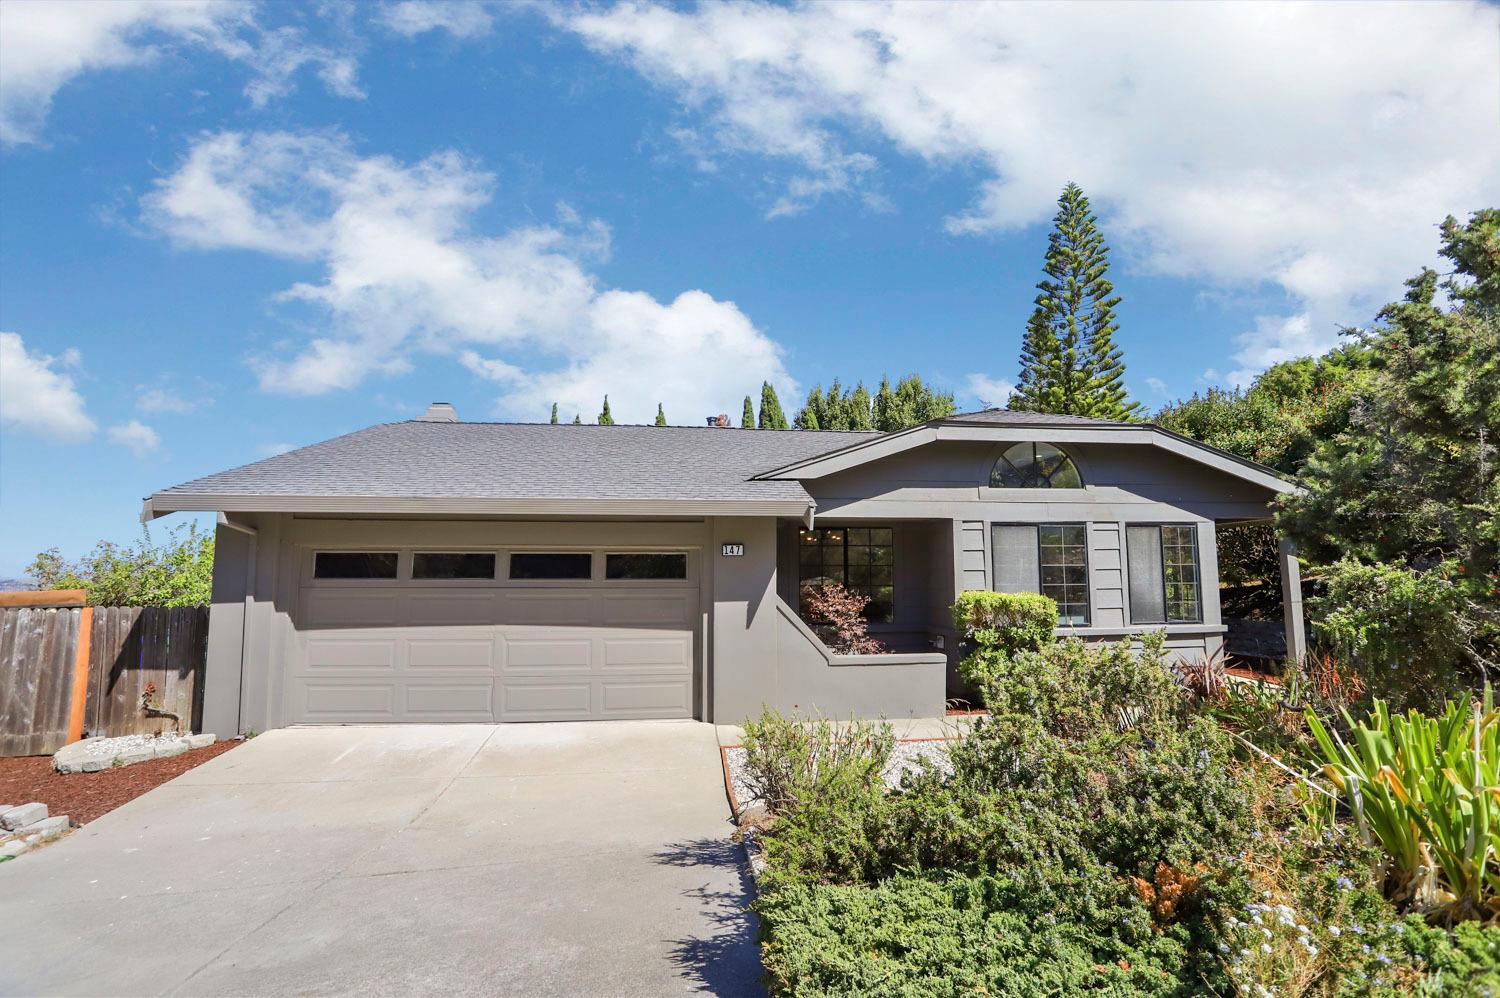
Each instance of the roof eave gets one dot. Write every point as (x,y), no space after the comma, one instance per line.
(1060,432)
(163,503)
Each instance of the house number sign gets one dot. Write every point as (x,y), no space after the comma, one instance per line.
(734,550)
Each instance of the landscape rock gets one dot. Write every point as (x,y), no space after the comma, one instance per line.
(202,741)
(93,754)
(23,814)
(13,848)
(47,828)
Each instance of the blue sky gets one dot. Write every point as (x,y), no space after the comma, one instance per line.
(227,229)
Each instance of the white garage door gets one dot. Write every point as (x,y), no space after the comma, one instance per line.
(413,651)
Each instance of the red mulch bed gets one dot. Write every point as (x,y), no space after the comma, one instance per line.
(85,796)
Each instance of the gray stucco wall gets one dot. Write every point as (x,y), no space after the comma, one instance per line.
(1124,484)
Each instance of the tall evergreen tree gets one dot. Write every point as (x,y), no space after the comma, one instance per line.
(605,419)
(1069,361)
(577,419)
(747,419)
(554,413)
(661,416)
(771,416)
(810,416)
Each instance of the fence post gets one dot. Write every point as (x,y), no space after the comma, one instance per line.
(80,691)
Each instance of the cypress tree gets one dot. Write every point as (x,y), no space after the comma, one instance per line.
(577,419)
(860,408)
(661,417)
(810,418)
(747,420)
(605,419)
(771,416)
(1069,361)
(554,413)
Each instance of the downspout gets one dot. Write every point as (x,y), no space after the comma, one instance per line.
(254,534)
(807,518)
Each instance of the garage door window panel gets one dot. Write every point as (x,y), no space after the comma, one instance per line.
(452,566)
(646,566)
(551,566)
(366,565)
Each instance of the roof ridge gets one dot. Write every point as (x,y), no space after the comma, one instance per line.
(597,426)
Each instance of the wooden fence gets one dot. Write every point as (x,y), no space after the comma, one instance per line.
(46,693)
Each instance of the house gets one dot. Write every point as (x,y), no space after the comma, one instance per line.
(439,570)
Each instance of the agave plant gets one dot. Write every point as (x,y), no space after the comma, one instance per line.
(1427,790)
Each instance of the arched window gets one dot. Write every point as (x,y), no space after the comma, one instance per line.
(1035,466)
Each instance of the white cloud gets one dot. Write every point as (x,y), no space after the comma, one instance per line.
(1157,385)
(414,17)
(36,396)
(402,272)
(1312,147)
(271,450)
(140,439)
(45,44)
(161,400)
(988,392)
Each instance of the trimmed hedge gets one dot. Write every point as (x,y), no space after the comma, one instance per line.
(1000,626)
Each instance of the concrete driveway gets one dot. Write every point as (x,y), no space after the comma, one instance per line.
(524,859)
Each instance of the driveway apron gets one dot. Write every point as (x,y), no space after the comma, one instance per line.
(588,858)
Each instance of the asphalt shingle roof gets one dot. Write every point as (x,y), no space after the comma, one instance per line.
(527,460)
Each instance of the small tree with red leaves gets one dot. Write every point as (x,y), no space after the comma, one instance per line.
(837,615)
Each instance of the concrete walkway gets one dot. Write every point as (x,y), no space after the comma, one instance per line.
(522,859)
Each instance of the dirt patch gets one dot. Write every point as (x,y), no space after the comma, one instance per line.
(85,796)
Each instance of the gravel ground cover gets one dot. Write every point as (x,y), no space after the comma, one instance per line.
(915,756)
(85,796)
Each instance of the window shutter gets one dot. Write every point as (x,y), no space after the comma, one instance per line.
(1016,569)
(1147,598)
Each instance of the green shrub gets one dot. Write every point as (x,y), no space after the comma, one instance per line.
(792,761)
(998,626)
(1047,933)
(1397,625)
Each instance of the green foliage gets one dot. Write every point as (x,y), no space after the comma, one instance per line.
(1099,835)
(1414,480)
(178,572)
(909,403)
(1427,789)
(577,419)
(999,626)
(948,934)
(1069,361)
(747,418)
(1396,625)
(661,416)
(554,413)
(791,762)
(1280,419)
(605,419)
(771,416)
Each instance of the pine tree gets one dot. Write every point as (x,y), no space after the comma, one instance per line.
(661,417)
(771,416)
(1069,361)
(747,420)
(554,413)
(577,419)
(605,419)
